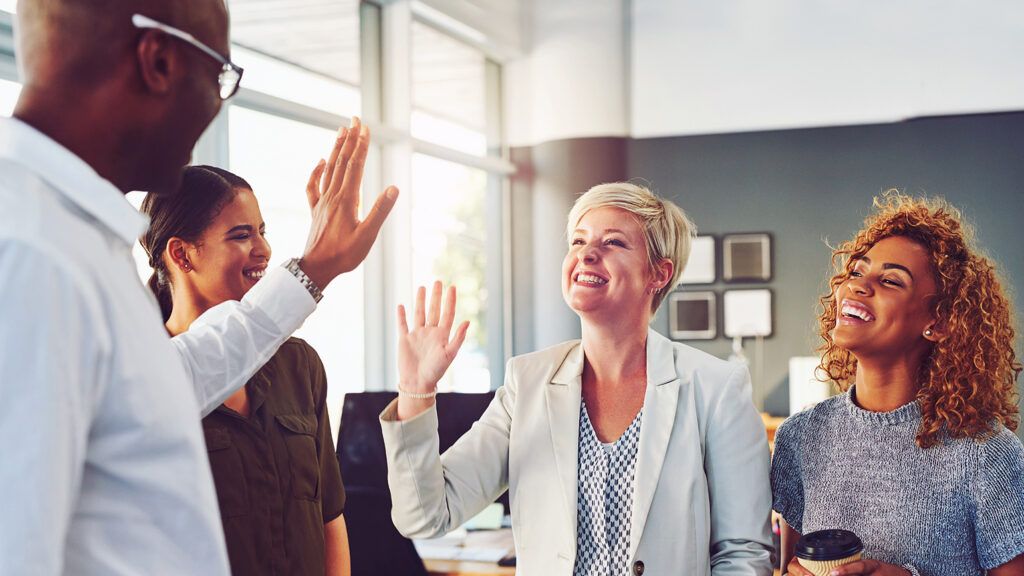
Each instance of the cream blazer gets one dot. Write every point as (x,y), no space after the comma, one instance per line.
(701,501)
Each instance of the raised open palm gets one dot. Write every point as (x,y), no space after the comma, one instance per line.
(425,353)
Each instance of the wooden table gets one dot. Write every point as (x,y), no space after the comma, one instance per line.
(464,568)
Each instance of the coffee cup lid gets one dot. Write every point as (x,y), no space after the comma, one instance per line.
(828,545)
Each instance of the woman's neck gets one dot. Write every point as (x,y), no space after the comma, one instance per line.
(185,308)
(885,386)
(615,353)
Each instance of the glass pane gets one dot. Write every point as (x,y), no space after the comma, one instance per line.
(449,91)
(448,223)
(9,92)
(276,156)
(306,52)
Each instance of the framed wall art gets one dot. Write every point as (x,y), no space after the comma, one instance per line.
(747,257)
(747,312)
(692,315)
(700,268)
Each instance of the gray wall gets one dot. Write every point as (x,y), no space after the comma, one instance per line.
(805,187)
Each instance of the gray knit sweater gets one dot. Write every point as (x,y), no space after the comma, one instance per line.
(955,509)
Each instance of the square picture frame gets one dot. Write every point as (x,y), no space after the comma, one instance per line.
(701,266)
(693,315)
(747,313)
(747,257)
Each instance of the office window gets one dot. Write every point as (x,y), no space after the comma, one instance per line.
(306,52)
(276,155)
(449,88)
(449,226)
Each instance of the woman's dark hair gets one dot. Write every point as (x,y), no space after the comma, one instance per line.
(204,192)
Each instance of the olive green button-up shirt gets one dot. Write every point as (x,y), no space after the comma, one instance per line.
(276,473)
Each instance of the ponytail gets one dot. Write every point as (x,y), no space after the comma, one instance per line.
(162,291)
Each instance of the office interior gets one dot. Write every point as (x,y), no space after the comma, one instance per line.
(783,118)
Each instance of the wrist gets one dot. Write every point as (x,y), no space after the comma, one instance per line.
(318,273)
(420,392)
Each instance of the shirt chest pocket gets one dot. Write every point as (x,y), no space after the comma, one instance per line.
(299,434)
(228,473)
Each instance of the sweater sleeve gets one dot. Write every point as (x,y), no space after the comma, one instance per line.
(999,500)
(786,477)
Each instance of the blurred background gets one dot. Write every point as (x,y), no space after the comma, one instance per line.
(781,119)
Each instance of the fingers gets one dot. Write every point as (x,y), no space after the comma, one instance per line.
(333,158)
(366,231)
(342,160)
(795,569)
(458,339)
(433,316)
(403,326)
(448,316)
(312,187)
(421,296)
(352,178)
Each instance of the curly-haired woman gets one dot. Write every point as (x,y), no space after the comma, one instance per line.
(917,456)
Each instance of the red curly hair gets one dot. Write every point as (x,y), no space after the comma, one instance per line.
(968,381)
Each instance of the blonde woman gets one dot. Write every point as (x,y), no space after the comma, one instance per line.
(623,452)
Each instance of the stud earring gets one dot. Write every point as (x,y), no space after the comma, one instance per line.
(928,332)
(186,267)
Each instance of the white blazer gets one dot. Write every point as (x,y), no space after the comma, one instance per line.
(702,497)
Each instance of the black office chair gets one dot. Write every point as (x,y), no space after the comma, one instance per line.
(377,548)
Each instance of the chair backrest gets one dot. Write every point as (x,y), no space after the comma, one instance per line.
(377,548)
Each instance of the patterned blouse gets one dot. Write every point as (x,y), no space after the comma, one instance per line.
(605,499)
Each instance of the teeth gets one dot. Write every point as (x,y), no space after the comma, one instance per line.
(590,279)
(255,274)
(853,311)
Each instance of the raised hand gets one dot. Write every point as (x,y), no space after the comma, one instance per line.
(338,241)
(425,353)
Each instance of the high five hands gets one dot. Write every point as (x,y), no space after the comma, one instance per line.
(425,353)
(338,241)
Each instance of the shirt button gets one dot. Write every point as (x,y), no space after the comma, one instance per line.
(638,568)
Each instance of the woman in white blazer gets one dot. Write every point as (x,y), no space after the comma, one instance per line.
(623,452)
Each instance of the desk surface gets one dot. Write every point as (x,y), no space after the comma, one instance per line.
(465,568)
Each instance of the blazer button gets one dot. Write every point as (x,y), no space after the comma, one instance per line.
(638,568)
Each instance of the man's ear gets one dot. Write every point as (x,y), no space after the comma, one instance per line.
(176,254)
(157,60)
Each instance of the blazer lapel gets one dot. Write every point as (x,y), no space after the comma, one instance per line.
(563,396)
(660,402)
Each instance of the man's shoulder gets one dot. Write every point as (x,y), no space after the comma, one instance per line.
(33,213)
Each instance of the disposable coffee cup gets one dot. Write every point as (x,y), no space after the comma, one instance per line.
(821,551)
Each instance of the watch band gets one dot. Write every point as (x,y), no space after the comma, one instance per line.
(292,266)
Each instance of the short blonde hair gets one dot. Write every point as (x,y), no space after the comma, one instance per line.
(668,232)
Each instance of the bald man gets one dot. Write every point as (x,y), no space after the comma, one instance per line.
(103,468)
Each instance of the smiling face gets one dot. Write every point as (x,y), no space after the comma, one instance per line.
(606,272)
(884,306)
(232,253)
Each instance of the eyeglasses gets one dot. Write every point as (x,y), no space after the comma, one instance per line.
(230,73)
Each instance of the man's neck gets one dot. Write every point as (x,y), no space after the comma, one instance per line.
(79,128)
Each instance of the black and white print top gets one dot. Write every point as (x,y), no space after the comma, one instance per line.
(604,501)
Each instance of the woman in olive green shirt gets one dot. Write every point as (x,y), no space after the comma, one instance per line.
(270,447)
